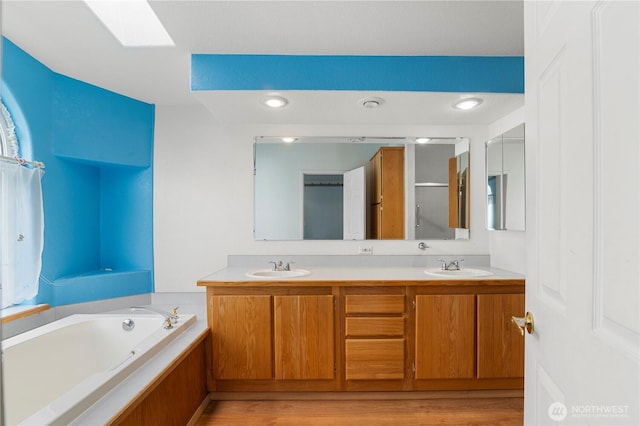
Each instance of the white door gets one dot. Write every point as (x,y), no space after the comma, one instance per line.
(583,189)
(354,204)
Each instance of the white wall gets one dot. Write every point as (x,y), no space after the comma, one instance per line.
(507,248)
(203,195)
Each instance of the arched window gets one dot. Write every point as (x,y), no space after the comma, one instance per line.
(9,143)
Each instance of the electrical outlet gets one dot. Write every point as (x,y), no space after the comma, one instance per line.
(365,250)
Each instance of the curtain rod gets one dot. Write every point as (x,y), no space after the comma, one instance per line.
(323,184)
(22,162)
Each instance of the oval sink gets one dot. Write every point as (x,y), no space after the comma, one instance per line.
(462,273)
(269,273)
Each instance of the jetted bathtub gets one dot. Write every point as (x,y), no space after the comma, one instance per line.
(55,372)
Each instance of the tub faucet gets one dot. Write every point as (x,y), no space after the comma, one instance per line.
(454,265)
(281,266)
(170,318)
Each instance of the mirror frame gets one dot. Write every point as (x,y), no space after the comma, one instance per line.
(462,147)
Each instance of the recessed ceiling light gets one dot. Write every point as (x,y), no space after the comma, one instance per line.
(288,140)
(468,103)
(371,102)
(275,101)
(132,22)
(422,140)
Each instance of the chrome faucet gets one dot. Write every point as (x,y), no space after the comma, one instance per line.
(454,265)
(281,266)
(170,318)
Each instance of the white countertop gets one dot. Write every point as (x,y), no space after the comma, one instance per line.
(238,274)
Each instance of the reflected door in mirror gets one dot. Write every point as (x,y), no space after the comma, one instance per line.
(387,194)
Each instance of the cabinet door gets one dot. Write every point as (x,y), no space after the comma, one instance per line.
(375,178)
(375,225)
(241,327)
(445,330)
(392,193)
(304,337)
(500,345)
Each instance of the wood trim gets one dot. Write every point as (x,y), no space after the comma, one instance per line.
(24,313)
(275,385)
(330,396)
(130,413)
(203,406)
(470,384)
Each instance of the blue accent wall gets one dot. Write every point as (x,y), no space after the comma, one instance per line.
(368,73)
(98,149)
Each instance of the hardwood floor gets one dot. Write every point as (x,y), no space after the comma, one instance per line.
(406,412)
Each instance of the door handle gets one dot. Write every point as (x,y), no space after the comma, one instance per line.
(524,323)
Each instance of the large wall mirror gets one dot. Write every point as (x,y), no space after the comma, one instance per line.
(357,188)
(505,173)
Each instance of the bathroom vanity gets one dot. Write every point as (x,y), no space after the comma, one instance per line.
(364,329)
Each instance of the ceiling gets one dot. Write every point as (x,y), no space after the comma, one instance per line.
(67,37)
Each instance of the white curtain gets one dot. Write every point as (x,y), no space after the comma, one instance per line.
(21,232)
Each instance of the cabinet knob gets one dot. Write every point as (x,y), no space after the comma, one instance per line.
(524,323)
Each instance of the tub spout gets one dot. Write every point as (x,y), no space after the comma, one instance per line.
(170,317)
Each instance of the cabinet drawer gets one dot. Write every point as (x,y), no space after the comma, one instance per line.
(374,326)
(374,304)
(374,359)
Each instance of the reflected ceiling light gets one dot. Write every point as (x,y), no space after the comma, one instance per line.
(469,103)
(422,140)
(275,101)
(288,140)
(371,102)
(132,22)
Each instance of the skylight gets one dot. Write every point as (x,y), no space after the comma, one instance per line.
(132,22)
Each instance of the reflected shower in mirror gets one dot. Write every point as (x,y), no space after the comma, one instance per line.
(505,174)
(329,188)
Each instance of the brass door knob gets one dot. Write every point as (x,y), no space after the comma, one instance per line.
(524,323)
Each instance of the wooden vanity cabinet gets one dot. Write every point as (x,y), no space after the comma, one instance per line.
(464,338)
(261,340)
(334,336)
